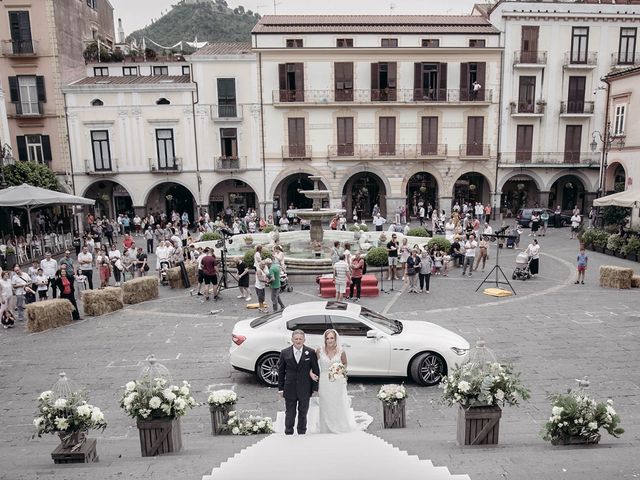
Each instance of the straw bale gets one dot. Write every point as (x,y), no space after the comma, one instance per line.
(101,301)
(175,278)
(635,281)
(140,290)
(48,314)
(612,276)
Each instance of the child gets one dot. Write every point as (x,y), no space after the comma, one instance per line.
(81,280)
(437,261)
(445,264)
(42,285)
(105,273)
(582,259)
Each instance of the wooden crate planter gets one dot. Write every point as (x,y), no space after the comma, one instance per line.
(159,436)
(479,425)
(394,415)
(85,454)
(219,419)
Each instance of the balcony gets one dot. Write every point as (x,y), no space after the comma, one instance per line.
(576,108)
(475,151)
(349,152)
(549,159)
(226,113)
(20,48)
(624,59)
(296,152)
(577,60)
(90,167)
(529,59)
(374,97)
(230,164)
(528,109)
(171,165)
(29,109)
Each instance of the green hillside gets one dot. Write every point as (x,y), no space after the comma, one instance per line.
(211,21)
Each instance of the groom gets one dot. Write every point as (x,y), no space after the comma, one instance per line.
(294,381)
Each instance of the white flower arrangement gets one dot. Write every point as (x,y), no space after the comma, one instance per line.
(67,415)
(392,394)
(222,397)
(337,371)
(242,424)
(155,399)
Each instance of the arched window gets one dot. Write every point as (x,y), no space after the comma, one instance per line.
(97,102)
(163,101)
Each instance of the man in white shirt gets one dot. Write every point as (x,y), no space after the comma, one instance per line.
(20,282)
(469,254)
(378,221)
(85,259)
(49,268)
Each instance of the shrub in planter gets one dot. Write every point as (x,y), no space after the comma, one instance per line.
(600,238)
(588,236)
(377,257)
(615,242)
(210,236)
(632,247)
(358,227)
(248,256)
(442,243)
(418,232)
(269,229)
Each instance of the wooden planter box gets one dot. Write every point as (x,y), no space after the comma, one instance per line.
(85,454)
(620,255)
(394,415)
(632,256)
(159,436)
(219,419)
(598,249)
(479,425)
(578,441)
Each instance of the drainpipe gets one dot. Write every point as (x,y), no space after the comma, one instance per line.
(194,100)
(264,165)
(76,218)
(499,153)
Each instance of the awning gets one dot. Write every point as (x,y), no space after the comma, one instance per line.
(628,198)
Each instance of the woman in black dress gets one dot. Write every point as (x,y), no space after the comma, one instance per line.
(243,280)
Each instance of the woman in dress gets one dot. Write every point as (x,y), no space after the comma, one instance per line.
(533,250)
(405,253)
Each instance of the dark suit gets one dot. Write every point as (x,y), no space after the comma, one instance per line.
(295,382)
(69,296)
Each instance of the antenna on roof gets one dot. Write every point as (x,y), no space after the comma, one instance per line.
(392,7)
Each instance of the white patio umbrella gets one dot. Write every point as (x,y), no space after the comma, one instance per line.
(628,198)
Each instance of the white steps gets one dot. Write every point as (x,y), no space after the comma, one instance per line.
(348,456)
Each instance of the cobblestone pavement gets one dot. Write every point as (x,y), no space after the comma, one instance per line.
(552,330)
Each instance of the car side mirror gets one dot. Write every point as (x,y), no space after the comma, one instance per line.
(373,334)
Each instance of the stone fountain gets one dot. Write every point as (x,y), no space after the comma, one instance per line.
(316,214)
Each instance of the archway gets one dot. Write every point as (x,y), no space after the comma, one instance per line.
(233,194)
(472,187)
(363,191)
(168,197)
(568,192)
(287,192)
(616,175)
(422,187)
(520,191)
(111,199)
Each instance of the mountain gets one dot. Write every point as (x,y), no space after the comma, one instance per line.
(209,20)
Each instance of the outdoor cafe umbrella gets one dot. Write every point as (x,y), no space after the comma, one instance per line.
(628,198)
(29,197)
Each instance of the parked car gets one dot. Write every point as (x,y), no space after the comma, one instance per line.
(523,217)
(376,346)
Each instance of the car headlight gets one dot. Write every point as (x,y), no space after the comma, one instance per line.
(459,351)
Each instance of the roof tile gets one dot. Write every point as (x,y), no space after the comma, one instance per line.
(133,80)
(228,48)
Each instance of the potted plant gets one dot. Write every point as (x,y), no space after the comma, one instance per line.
(220,403)
(577,419)
(479,389)
(245,423)
(600,240)
(632,248)
(614,245)
(393,399)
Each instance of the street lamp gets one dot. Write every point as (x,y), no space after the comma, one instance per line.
(6,159)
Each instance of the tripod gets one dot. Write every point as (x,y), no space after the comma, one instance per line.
(382,281)
(497,269)
(222,283)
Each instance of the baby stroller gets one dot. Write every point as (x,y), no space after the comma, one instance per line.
(439,228)
(284,283)
(164,267)
(522,271)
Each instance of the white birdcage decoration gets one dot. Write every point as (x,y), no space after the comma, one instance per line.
(481,356)
(64,388)
(153,371)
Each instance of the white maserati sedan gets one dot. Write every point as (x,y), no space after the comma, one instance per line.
(376,346)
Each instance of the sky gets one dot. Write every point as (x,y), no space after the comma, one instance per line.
(136,14)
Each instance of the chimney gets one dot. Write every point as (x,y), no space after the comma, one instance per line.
(121,37)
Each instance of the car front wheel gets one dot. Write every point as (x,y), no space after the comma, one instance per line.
(267,369)
(428,369)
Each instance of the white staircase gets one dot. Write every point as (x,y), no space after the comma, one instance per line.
(350,456)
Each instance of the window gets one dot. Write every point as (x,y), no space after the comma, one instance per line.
(186,70)
(430,82)
(345,136)
(618,119)
(475,136)
(387,142)
(130,71)
(575,103)
(344,42)
(527,94)
(101,150)
(310,324)
(93,4)
(100,71)
(627,50)
(529,44)
(297,143)
(344,81)
(430,42)
(579,44)
(227,98)
(470,73)
(524,143)
(294,43)
(166,152)
(160,70)
(389,42)
(27,93)
(429,136)
(383,81)
(349,326)
(477,43)
(229,142)
(20,27)
(96,102)
(34,148)
(572,140)
(163,101)
(291,80)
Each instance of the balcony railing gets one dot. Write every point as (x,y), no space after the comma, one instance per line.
(29,109)
(580,59)
(347,152)
(294,152)
(170,165)
(474,151)
(524,108)
(587,159)
(625,59)
(224,112)
(576,107)
(20,48)
(530,58)
(230,164)
(367,96)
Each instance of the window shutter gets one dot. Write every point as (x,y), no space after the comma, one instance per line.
(464,81)
(442,78)
(42,94)
(375,81)
(282,81)
(299,82)
(392,74)
(418,94)
(482,68)
(14,90)
(22,148)
(46,148)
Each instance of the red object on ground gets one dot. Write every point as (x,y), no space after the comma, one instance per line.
(369,287)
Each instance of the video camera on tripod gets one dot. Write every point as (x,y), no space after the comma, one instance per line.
(226,238)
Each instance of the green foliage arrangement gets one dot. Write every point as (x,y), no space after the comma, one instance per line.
(442,243)
(33,173)
(66,415)
(248,256)
(615,242)
(418,232)
(600,238)
(362,227)
(269,229)
(210,236)
(632,247)
(377,257)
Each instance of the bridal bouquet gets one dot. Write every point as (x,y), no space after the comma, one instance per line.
(392,394)
(66,415)
(219,398)
(156,399)
(337,370)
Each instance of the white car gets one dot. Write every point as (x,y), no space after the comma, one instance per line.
(376,346)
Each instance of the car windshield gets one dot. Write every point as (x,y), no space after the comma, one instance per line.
(385,324)
(258,322)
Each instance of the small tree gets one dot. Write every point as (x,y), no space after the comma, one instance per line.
(33,173)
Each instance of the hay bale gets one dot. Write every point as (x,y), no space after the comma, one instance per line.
(612,276)
(140,290)
(175,278)
(635,281)
(101,301)
(48,314)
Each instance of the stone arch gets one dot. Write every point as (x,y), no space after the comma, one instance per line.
(152,186)
(516,173)
(101,180)
(615,169)
(427,168)
(471,168)
(112,197)
(363,167)
(586,182)
(230,177)
(309,170)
